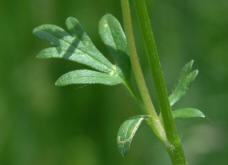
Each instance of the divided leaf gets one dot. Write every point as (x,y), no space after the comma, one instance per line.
(188,113)
(115,40)
(78,47)
(186,78)
(127,132)
(88,77)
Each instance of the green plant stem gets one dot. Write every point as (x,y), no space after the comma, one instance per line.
(175,150)
(155,123)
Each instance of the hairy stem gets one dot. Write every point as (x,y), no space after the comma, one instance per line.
(149,107)
(175,150)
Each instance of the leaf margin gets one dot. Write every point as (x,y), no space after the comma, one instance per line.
(124,143)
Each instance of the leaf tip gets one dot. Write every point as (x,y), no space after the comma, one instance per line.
(191,62)
(60,82)
(195,73)
(40,55)
(122,150)
(35,30)
(40,28)
(105,19)
(108,15)
(188,67)
(71,19)
(202,115)
(123,154)
(57,83)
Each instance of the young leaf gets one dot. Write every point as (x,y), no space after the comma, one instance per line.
(115,40)
(188,113)
(88,77)
(127,132)
(78,47)
(186,78)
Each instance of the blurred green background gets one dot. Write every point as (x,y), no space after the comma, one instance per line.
(41,124)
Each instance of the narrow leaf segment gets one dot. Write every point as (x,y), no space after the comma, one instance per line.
(87,77)
(187,77)
(127,132)
(115,40)
(188,113)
